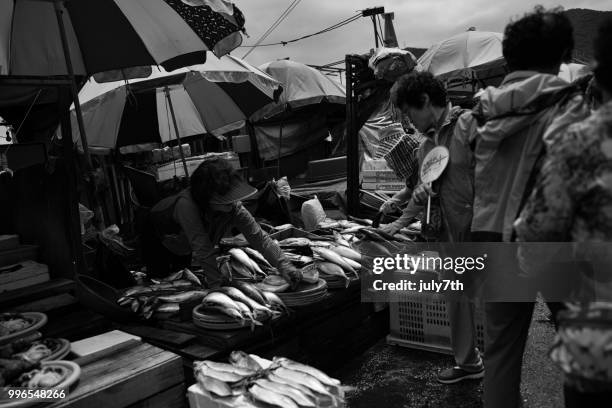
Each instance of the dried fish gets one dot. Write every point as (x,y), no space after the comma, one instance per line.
(331,256)
(295,395)
(270,397)
(242,359)
(213,385)
(302,378)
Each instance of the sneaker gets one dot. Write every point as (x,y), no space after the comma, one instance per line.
(456,374)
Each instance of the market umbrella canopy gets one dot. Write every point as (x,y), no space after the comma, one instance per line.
(106,35)
(211,98)
(302,86)
(468,52)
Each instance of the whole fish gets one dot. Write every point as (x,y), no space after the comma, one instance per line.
(136,290)
(332,269)
(191,277)
(295,242)
(275,302)
(347,253)
(241,270)
(168,308)
(240,256)
(270,397)
(340,240)
(124,301)
(253,253)
(302,378)
(352,230)
(322,400)
(182,283)
(226,367)
(356,265)
(301,259)
(247,313)
(258,309)
(135,305)
(228,311)
(242,359)
(362,221)
(310,274)
(318,374)
(174,276)
(272,288)
(213,385)
(321,244)
(183,297)
(288,391)
(226,376)
(274,280)
(250,290)
(331,256)
(219,299)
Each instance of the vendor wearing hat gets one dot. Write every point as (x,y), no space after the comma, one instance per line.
(191,223)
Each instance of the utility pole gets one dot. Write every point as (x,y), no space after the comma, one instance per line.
(373,12)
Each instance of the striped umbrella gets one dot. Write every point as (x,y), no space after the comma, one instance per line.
(105,35)
(138,115)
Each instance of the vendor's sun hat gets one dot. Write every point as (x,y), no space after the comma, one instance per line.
(239,190)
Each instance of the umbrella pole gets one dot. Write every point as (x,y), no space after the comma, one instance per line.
(79,114)
(176,131)
(280,141)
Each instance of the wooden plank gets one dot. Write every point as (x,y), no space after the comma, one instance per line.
(35,292)
(46,304)
(174,397)
(125,378)
(163,336)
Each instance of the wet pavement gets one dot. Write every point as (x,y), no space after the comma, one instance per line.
(398,377)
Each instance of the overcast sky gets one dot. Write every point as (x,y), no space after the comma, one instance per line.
(418,23)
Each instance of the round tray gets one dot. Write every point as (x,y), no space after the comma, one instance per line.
(305,302)
(73,372)
(217,321)
(305,289)
(60,352)
(38,321)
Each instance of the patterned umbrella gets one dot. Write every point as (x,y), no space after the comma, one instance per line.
(105,35)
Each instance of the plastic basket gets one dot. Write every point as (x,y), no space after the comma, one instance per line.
(420,320)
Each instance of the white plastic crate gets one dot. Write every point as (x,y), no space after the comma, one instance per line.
(420,320)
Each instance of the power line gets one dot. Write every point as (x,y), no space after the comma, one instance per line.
(275,24)
(323,31)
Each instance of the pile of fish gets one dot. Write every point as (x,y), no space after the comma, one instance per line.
(250,381)
(241,302)
(334,259)
(164,296)
(362,229)
(246,264)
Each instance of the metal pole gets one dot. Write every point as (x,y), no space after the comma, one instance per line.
(352,145)
(75,94)
(375,31)
(280,141)
(176,131)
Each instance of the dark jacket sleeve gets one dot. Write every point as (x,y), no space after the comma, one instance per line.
(187,214)
(258,239)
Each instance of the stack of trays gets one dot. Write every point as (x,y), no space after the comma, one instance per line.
(336,282)
(211,320)
(306,294)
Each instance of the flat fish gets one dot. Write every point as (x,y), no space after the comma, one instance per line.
(213,385)
(318,374)
(242,359)
(229,368)
(302,378)
(288,391)
(270,397)
(224,376)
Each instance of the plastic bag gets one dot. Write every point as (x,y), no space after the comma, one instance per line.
(282,188)
(312,214)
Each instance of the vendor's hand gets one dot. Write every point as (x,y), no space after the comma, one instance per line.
(391,228)
(421,192)
(389,206)
(291,274)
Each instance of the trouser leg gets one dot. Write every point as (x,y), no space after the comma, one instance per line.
(506,329)
(463,334)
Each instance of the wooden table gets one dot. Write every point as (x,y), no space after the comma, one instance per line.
(139,376)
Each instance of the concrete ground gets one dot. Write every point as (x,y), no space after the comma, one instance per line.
(392,376)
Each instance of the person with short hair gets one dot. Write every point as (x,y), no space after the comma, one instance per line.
(571,203)
(424,100)
(517,120)
(193,222)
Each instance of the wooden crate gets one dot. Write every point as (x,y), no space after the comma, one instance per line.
(141,376)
